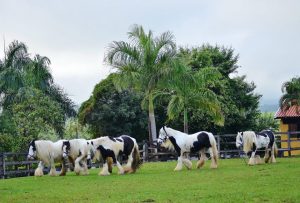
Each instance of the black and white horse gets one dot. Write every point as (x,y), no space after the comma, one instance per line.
(111,147)
(47,152)
(184,144)
(251,142)
(78,151)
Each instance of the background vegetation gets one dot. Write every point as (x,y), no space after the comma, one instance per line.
(154,84)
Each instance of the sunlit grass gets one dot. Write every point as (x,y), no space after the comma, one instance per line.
(233,181)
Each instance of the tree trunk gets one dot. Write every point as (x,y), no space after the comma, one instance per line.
(185,122)
(152,120)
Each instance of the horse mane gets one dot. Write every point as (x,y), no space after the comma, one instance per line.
(174,132)
(249,137)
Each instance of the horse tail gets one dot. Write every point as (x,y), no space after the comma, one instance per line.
(136,162)
(214,150)
(275,149)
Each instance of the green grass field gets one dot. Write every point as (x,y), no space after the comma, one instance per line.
(233,181)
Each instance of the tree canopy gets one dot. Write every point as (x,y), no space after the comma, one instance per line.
(141,63)
(110,112)
(291,94)
(31,104)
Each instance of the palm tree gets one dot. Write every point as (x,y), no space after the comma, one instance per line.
(38,74)
(12,71)
(191,89)
(141,64)
(291,94)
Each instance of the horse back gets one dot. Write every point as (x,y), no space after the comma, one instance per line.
(129,143)
(270,134)
(201,141)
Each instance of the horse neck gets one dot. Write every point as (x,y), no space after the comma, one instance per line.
(43,149)
(175,133)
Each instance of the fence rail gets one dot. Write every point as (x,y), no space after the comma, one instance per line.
(16,165)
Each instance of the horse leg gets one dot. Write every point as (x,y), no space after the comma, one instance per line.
(39,170)
(104,171)
(71,163)
(187,163)
(78,168)
(52,166)
(213,155)
(179,163)
(121,170)
(128,168)
(201,161)
(267,155)
(273,160)
(252,160)
(85,167)
(63,168)
(258,159)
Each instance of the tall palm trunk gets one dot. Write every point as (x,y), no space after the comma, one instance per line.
(152,120)
(185,121)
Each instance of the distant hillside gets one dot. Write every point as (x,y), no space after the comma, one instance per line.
(269,107)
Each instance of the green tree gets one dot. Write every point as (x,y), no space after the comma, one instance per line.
(75,130)
(109,112)
(192,89)
(36,114)
(239,103)
(291,94)
(266,121)
(31,104)
(141,64)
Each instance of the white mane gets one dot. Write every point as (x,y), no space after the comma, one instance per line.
(249,137)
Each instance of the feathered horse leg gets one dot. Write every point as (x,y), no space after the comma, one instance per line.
(273,160)
(267,155)
(201,161)
(187,162)
(252,160)
(39,170)
(78,168)
(104,171)
(52,166)
(63,168)
(179,164)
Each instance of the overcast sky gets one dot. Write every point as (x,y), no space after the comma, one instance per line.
(74,35)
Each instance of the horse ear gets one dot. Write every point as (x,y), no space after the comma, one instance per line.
(242,133)
(92,142)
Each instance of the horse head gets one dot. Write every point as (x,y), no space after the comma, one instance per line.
(32,150)
(66,148)
(239,140)
(91,152)
(163,135)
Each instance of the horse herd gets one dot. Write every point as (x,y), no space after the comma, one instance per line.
(80,151)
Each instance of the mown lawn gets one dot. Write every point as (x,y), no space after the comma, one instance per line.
(233,181)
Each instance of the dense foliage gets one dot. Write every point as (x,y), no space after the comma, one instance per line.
(291,94)
(238,100)
(31,105)
(113,113)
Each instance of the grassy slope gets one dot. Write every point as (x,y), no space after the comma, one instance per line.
(233,181)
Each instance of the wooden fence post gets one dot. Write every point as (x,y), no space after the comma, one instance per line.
(145,152)
(289,144)
(219,145)
(3,165)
